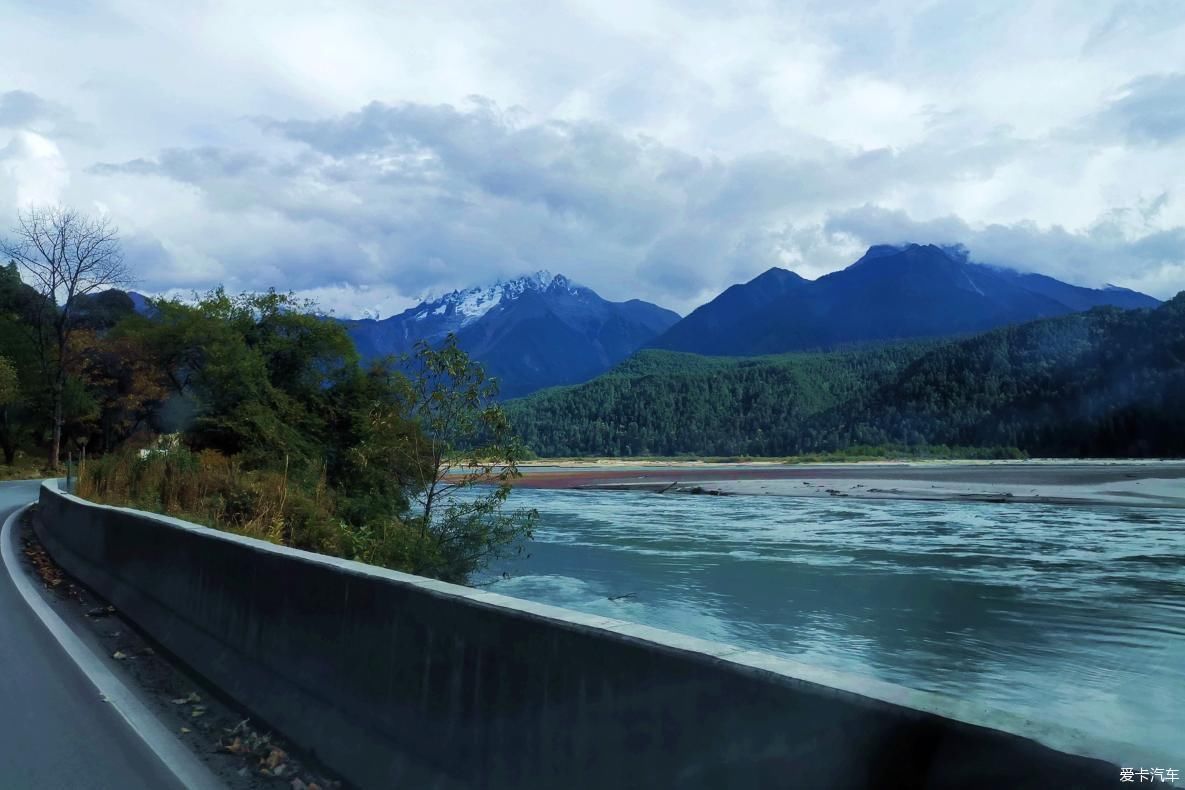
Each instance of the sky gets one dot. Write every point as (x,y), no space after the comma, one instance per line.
(365,153)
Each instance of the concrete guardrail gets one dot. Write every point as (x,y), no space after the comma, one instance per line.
(394,680)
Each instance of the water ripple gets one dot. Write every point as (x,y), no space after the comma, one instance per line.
(1050,612)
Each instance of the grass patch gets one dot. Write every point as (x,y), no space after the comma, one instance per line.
(214,490)
(208,488)
(25,467)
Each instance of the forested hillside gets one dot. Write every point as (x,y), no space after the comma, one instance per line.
(669,403)
(1106,382)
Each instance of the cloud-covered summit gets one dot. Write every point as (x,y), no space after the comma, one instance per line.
(647,149)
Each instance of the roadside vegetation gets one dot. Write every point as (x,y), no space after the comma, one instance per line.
(252,414)
(23,467)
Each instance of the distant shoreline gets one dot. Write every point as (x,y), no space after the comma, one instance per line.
(647,461)
(1112,482)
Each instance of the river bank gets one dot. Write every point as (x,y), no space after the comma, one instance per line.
(1092,482)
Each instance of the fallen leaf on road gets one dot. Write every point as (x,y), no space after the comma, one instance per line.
(119,655)
(193,697)
(235,747)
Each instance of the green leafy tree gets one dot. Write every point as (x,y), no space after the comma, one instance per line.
(80,411)
(255,374)
(17,346)
(461,456)
(374,469)
(10,393)
(124,382)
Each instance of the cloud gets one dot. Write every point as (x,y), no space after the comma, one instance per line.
(1120,248)
(22,110)
(1150,109)
(32,170)
(647,148)
(428,194)
(1138,20)
(441,196)
(193,165)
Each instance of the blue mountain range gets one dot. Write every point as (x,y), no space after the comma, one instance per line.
(891,293)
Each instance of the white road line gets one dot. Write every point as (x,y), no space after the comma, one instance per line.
(180,761)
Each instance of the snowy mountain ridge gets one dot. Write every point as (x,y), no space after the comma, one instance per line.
(470,304)
(529,332)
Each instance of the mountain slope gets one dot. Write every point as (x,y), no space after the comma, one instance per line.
(718,326)
(891,293)
(1107,382)
(531,332)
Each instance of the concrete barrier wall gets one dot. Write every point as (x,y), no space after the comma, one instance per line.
(398,681)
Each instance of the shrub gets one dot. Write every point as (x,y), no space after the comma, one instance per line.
(213,489)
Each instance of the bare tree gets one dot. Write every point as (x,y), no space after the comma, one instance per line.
(64,255)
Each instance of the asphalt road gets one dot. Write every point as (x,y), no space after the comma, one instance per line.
(55,730)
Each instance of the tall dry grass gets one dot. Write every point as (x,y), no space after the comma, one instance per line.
(212,489)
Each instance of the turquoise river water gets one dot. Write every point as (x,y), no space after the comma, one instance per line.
(1070,615)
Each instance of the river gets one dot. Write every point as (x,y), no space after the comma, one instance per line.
(1064,614)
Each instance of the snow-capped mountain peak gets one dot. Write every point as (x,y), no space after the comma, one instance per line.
(532,331)
(466,306)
